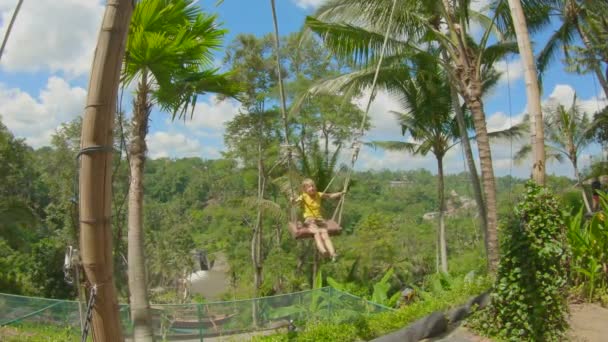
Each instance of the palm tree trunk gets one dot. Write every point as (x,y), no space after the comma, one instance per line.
(443,249)
(140,306)
(468,152)
(595,65)
(475,104)
(577,175)
(95,185)
(532,91)
(10,27)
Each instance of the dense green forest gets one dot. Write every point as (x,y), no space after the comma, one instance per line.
(206,204)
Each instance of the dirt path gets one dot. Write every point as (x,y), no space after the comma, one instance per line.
(588,323)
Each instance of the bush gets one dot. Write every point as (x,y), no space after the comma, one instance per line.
(529,302)
(588,240)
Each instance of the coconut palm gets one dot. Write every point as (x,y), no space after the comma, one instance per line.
(354,30)
(567,132)
(532,90)
(169,53)
(428,120)
(579,19)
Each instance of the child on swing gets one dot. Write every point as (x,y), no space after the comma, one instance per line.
(311,203)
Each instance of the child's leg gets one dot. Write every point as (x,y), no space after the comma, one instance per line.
(313,228)
(327,241)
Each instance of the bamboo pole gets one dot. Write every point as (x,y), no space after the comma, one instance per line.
(95,182)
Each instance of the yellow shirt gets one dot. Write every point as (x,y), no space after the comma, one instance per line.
(311,205)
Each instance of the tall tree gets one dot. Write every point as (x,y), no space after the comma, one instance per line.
(532,91)
(430,122)
(583,20)
(350,29)
(568,133)
(169,53)
(96,169)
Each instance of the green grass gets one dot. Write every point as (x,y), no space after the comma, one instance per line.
(38,333)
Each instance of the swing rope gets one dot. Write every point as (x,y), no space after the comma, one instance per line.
(356,143)
(292,212)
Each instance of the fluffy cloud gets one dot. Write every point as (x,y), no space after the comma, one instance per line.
(564,94)
(480,5)
(210,116)
(36,119)
(308,4)
(383,121)
(51,35)
(177,145)
(503,150)
(512,70)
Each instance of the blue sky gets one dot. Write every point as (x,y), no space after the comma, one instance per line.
(44,71)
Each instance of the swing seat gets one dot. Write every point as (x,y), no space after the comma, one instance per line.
(299,230)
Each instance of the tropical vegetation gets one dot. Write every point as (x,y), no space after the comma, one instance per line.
(300,116)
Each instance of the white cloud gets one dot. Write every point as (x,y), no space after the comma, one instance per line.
(564,94)
(512,70)
(383,122)
(210,116)
(177,145)
(36,119)
(51,35)
(308,4)
(480,5)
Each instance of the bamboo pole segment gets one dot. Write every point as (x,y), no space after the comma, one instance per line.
(95,181)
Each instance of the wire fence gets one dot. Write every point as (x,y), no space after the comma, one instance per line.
(199,320)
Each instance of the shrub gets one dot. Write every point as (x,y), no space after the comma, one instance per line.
(588,240)
(529,302)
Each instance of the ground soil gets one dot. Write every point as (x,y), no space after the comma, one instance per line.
(588,323)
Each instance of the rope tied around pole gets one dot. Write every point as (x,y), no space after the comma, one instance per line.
(89,315)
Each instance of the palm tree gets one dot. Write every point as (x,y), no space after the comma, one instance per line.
(532,90)
(96,169)
(428,120)
(169,51)
(567,131)
(354,30)
(578,19)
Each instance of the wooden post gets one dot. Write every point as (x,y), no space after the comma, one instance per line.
(95,182)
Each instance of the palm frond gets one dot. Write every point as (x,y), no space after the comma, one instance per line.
(354,44)
(560,38)
(514,132)
(394,146)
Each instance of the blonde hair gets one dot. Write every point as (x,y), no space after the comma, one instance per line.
(307,181)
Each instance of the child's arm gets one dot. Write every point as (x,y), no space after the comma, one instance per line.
(295,200)
(333,195)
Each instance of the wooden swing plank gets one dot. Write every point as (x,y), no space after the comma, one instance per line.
(299,230)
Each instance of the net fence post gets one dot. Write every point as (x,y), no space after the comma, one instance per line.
(331,300)
(199,312)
